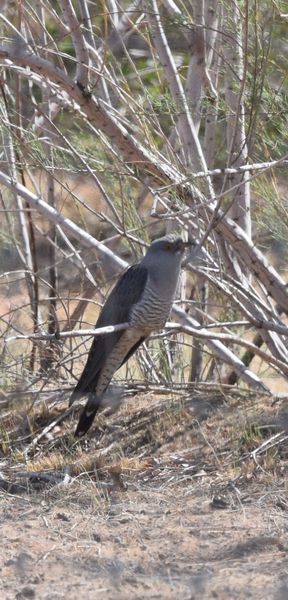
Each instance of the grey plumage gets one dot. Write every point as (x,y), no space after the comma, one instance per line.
(143,296)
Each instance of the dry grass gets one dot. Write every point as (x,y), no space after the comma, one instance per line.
(165,499)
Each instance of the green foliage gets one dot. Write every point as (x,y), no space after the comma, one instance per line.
(267,82)
(162,103)
(250,436)
(271,213)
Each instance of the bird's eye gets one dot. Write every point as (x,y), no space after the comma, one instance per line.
(168,247)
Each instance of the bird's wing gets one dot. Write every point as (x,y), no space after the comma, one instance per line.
(117,308)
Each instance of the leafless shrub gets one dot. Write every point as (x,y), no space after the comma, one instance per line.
(113,130)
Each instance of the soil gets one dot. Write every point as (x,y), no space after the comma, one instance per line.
(151,543)
(183,513)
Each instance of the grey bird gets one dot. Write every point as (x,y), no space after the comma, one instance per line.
(143,297)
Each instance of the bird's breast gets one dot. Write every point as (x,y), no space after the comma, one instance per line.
(153,310)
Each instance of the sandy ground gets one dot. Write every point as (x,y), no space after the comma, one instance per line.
(182,521)
(150,543)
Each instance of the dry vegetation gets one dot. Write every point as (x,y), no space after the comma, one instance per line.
(119,125)
(173,494)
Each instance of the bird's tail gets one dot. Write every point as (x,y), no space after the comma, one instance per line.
(77,393)
(87,416)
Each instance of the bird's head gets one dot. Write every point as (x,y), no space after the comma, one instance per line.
(170,244)
(163,260)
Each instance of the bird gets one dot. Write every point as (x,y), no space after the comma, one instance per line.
(142,297)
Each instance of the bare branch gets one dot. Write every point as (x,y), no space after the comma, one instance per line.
(53,215)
